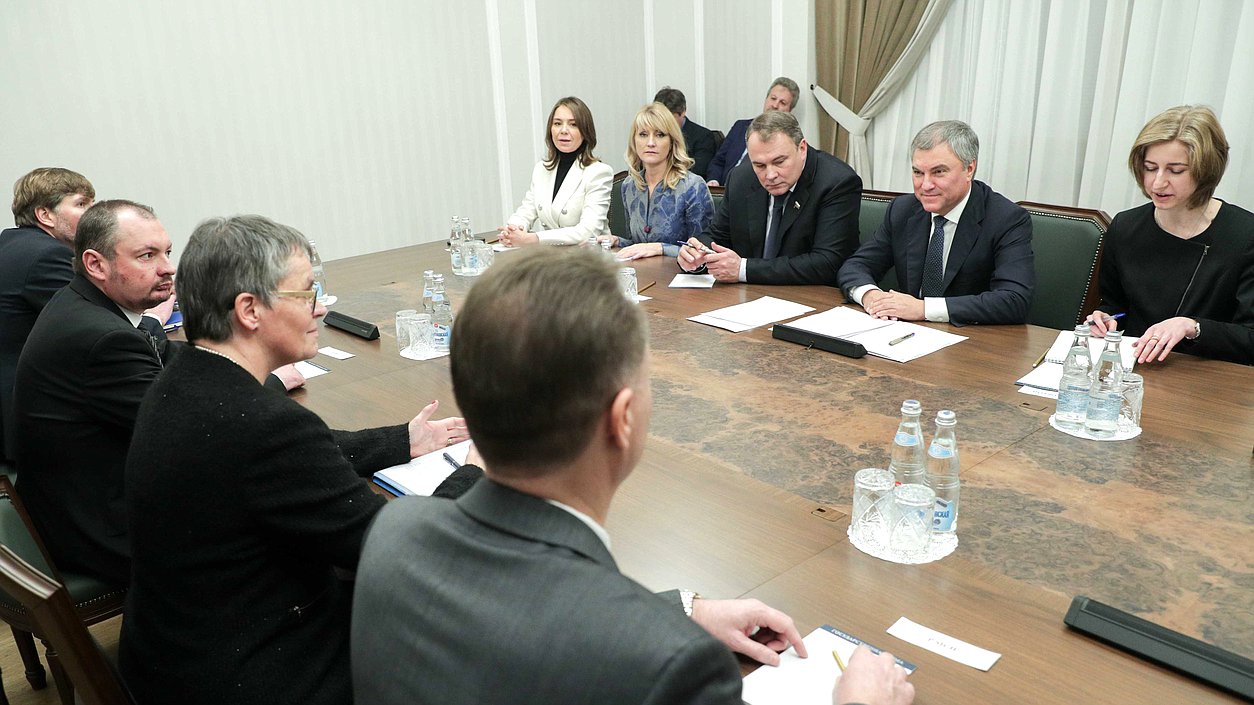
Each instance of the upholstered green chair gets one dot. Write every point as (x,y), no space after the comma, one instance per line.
(1067,245)
(870,215)
(618,212)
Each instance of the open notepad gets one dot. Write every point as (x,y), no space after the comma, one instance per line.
(878,336)
(423,474)
(1048,374)
(751,314)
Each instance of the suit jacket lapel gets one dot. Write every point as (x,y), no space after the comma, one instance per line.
(797,199)
(968,232)
(759,203)
(531,517)
(569,185)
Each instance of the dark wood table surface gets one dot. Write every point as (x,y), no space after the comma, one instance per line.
(746,485)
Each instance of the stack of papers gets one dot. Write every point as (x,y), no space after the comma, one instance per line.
(692,281)
(752,314)
(423,474)
(877,336)
(801,681)
(1048,374)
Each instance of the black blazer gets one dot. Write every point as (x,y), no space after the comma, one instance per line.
(502,598)
(700,145)
(33,266)
(241,502)
(990,273)
(80,379)
(819,230)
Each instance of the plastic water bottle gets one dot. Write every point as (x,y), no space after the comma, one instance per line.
(455,239)
(942,477)
(319,275)
(1073,388)
(1106,392)
(907,460)
(428,283)
(441,318)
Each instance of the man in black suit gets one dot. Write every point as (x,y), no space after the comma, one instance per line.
(80,379)
(790,215)
(782,95)
(34,264)
(697,140)
(510,594)
(962,252)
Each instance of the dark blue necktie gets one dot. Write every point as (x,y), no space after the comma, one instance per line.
(934,264)
(771,248)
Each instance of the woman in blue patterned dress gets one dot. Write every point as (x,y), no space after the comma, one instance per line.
(665,203)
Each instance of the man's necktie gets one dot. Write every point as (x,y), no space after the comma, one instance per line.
(771,248)
(934,263)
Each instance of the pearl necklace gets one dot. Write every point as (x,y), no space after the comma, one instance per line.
(211,351)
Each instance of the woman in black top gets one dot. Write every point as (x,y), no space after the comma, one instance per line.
(1180,268)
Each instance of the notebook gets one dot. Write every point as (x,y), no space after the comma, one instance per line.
(1048,374)
(423,474)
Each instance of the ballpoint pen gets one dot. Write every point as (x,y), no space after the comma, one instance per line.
(702,248)
(314,364)
(456,465)
(903,338)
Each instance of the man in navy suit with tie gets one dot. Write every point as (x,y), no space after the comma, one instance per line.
(790,215)
(962,253)
(782,95)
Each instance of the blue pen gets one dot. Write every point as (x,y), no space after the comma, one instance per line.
(1115,317)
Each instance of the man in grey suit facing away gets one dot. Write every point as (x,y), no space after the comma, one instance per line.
(510,594)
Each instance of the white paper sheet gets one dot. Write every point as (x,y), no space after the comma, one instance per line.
(423,474)
(335,353)
(804,681)
(752,314)
(876,335)
(309,370)
(943,644)
(692,281)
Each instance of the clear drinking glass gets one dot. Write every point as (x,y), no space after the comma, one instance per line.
(419,332)
(911,533)
(1133,395)
(404,326)
(627,278)
(872,506)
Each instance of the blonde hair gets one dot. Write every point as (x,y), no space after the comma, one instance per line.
(656,116)
(1197,128)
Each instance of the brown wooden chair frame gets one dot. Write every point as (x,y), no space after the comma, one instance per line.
(89,612)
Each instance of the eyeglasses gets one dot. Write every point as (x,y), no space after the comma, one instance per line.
(310,294)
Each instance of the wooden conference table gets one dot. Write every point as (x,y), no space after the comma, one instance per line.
(746,486)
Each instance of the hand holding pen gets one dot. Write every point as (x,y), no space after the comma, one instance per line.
(1100,323)
(692,253)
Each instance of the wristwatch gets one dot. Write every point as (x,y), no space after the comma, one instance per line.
(685,598)
(1197,330)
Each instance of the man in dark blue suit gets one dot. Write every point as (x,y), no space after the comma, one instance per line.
(34,264)
(790,215)
(782,95)
(962,253)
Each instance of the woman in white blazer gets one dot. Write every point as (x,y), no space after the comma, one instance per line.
(569,197)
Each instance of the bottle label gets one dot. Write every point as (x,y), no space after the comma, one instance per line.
(944,515)
(905,439)
(940,451)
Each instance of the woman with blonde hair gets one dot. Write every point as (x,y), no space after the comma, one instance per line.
(666,204)
(569,198)
(1180,268)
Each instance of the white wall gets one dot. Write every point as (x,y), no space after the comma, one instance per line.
(365,125)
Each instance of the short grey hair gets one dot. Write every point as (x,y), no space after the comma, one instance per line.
(955,133)
(774,122)
(790,86)
(226,257)
(98,229)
